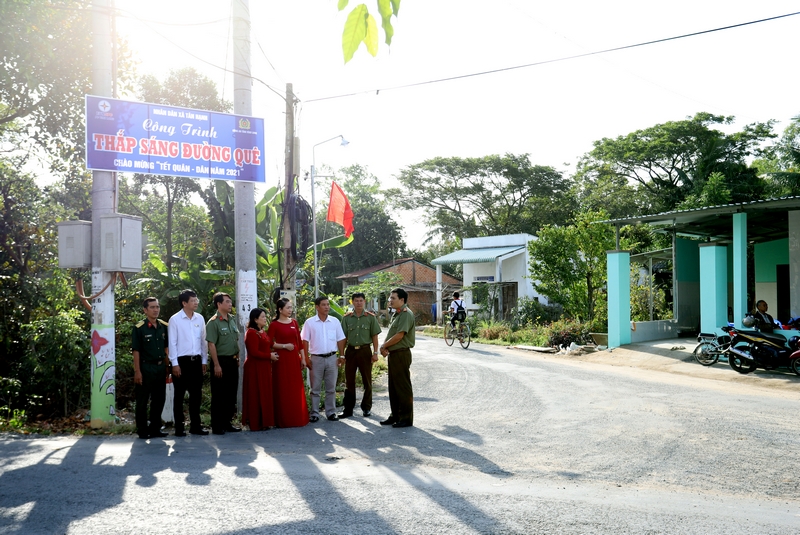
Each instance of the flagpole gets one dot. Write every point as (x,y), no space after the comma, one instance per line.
(314,207)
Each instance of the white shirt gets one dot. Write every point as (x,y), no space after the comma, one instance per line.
(454,304)
(322,336)
(187,336)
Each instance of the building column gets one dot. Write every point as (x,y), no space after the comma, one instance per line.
(794,263)
(439,295)
(618,264)
(739,268)
(713,286)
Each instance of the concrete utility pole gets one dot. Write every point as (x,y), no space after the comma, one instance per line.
(104,189)
(244,191)
(289,262)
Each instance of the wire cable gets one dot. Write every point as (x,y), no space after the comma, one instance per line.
(198,58)
(555,60)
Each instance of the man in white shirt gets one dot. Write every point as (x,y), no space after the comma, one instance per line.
(454,306)
(188,354)
(322,337)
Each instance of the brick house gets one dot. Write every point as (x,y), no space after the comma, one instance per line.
(418,279)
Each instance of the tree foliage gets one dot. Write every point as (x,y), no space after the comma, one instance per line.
(568,264)
(493,195)
(361,27)
(672,160)
(783,165)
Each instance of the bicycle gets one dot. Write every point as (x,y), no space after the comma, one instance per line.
(461,332)
(710,347)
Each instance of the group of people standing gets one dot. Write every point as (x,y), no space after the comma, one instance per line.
(273,394)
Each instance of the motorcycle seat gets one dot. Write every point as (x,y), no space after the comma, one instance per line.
(774,338)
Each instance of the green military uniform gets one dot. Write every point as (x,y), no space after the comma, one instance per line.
(401,394)
(359,331)
(150,340)
(224,334)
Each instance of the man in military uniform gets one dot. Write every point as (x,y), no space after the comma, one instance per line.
(222,336)
(150,348)
(397,348)
(361,330)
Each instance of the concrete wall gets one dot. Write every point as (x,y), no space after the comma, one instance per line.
(653,330)
(767,256)
(794,262)
(687,282)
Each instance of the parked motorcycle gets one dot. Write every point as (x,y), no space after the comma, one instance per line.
(751,349)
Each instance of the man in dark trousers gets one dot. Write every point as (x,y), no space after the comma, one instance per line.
(397,349)
(188,353)
(150,347)
(222,336)
(361,330)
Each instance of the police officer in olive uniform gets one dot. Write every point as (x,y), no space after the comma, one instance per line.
(361,329)
(222,336)
(397,347)
(150,348)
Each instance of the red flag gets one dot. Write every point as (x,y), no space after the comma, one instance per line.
(339,210)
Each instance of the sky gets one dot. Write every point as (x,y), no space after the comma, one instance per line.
(553,111)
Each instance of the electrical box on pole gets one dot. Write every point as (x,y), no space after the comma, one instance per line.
(121,243)
(75,244)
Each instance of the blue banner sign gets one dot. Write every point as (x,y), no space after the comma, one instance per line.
(137,137)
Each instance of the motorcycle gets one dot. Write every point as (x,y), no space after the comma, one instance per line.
(751,349)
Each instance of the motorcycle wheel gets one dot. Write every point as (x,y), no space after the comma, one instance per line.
(740,365)
(796,366)
(704,354)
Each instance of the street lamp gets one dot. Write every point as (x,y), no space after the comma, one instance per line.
(344,143)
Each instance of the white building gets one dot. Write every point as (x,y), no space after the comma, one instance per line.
(500,260)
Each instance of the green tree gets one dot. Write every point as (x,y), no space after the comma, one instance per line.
(568,264)
(46,72)
(672,160)
(714,192)
(469,197)
(782,166)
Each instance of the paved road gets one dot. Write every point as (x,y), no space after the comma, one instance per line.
(505,442)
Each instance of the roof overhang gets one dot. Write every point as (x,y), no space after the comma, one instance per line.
(767,220)
(477,256)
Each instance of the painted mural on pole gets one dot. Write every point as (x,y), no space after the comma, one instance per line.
(138,137)
(103,352)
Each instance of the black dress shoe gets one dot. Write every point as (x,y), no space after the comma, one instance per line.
(345,415)
(217,431)
(157,434)
(313,419)
(144,436)
(367,414)
(233,429)
(388,421)
(180,433)
(333,418)
(201,432)
(402,423)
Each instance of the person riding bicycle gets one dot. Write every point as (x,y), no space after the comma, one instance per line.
(457,310)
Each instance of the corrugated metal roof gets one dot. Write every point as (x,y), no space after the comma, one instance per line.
(475,256)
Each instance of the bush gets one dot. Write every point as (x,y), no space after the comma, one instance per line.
(56,366)
(494,331)
(564,332)
(532,312)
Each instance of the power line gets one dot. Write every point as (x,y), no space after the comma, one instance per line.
(198,58)
(556,60)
